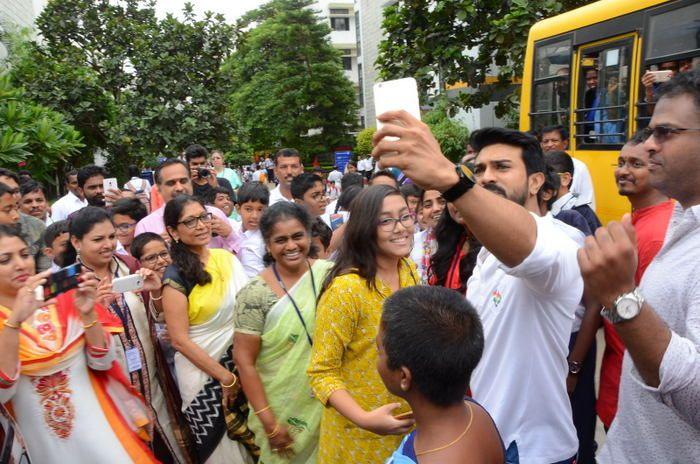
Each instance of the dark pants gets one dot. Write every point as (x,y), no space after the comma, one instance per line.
(270,175)
(583,405)
(512,456)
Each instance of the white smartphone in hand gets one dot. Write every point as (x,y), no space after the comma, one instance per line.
(130,283)
(110,184)
(399,94)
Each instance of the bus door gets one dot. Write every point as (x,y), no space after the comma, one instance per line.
(604,78)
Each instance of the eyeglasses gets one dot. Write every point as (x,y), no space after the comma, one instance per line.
(191,223)
(124,227)
(663,133)
(151,259)
(388,224)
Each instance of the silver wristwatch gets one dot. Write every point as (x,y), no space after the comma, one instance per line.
(626,307)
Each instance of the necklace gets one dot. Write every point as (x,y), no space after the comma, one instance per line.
(461,435)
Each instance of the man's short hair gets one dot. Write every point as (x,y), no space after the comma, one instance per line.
(31,186)
(286,153)
(195,151)
(53,231)
(385,173)
(169,162)
(435,333)
(351,178)
(5,189)
(253,191)
(637,138)
(531,151)
(303,183)
(68,174)
(8,173)
(563,132)
(89,171)
(687,83)
(560,161)
(131,207)
(411,190)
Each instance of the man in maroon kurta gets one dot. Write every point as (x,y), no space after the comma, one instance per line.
(651,212)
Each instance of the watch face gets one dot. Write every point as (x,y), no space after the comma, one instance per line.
(467,173)
(627,308)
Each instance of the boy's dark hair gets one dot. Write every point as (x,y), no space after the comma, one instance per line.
(532,152)
(687,83)
(253,191)
(31,186)
(131,207)
(195,151)
(410,190)
(552,182)
(133,171)
(385,173)
(88,172)
(303,183)
(286,153)
(165,164)
(216,190)
(141,240)
(346,198)
(52,232)
(560,161)
(437,335)
(563,133)
(321,230)
(351,178)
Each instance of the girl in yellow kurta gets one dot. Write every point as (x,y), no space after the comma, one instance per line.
(358,424)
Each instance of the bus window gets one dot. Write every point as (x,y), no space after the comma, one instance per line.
(602,108)
(672,44)
(551,84)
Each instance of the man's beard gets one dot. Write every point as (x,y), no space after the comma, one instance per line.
(96,201)
(519,198)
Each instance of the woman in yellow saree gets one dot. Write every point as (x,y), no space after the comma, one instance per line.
(274,321)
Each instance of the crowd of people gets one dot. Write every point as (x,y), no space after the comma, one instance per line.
(380,312)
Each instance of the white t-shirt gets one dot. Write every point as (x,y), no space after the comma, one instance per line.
(582,184)
(335,176)
(276,195)
(527,312)
(252,252)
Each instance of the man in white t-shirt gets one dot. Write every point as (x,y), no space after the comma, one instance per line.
(71,201)
(287,166)
(526,284)
(335,176)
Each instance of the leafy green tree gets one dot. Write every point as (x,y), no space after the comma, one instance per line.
(363,141)
(450,134)
(463,41)
(291,89)
(33,134)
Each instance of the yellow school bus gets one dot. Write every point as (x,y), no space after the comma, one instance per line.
(583,70)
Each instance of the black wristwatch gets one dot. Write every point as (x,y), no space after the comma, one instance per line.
(465,183)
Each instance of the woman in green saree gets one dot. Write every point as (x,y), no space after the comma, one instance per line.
(274,321)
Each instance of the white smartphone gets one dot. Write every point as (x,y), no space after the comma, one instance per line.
(110,184)
(131,283)
(662,76)
(399,94)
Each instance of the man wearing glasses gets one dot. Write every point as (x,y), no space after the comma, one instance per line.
(658,416)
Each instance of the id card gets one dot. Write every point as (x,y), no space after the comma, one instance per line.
(133,360)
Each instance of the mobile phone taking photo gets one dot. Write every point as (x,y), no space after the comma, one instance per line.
(62,280)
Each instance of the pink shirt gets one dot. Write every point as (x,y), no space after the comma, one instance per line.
(154,223)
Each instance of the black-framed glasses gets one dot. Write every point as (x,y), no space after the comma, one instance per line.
(389,223)
(191,223)
(663,133)
(152,259)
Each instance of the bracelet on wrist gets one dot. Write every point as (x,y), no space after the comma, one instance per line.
(275,432)
(91,324)
(261,410)
(11,325)
(235,380)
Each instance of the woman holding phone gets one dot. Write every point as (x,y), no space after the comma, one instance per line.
(371,265)
(274,321)
(58,369)
(93,242)
(198,299)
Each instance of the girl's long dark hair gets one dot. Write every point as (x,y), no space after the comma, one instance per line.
(79,224)
(449,235)
(185,260)
(358,252)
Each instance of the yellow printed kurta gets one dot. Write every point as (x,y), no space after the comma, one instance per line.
(344,357)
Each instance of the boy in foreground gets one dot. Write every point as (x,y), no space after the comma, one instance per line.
(430,340)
